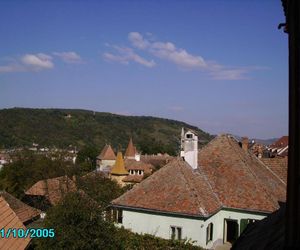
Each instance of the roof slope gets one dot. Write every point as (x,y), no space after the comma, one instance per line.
(281,142)
(174,188)
(54,189)
(9,219)
(107,153)
(130,151)
(138,165)
(238,178)
(23,211)
(228,176)
(278,165)
(119,167)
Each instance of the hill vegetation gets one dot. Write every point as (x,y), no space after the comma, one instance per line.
(81,128)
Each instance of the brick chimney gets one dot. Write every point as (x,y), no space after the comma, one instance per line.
(245,142)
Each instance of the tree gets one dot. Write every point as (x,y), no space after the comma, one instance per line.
(28,168)
(100,188)
(78,224)
(86,158)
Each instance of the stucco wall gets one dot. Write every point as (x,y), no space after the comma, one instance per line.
(192,228)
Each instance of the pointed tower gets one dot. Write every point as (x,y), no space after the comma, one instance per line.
(189,148)
(118,171)
(131,152)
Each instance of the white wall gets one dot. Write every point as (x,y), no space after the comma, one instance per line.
(192,228)
(105,163)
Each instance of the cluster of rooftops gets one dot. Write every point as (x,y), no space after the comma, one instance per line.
(227,176)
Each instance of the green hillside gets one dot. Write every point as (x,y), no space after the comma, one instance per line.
(53,127)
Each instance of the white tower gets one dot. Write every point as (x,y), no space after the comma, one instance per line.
(189,148)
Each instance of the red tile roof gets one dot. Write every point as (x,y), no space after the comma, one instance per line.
(228,176)
(54,189)
(107,153)
(255,187)
(281,142)
(133,178)
(174,188)
(130,151)
(138,165)
(9,219)
(156,160)
(23,211)
(278,165)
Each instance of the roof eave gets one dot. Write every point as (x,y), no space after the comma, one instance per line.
(157,211)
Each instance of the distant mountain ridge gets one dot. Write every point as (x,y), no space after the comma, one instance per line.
(80,128)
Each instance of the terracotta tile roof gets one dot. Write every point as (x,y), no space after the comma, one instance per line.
(281,142)
(133,178)
(107,153)
(138,165)
(130,151)
(238,178)
(9,219)
(156,160)
(174,188)
(23,211)
(54,189)
(278,165)
(228,176)
(119,167)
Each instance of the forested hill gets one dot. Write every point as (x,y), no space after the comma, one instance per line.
(80,128)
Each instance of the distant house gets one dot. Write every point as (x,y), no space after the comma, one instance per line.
(210,201)
(280,147)
(128,170)
(51,190)
(137,170)
(106,159)
(14,214)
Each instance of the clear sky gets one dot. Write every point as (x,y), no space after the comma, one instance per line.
(220,65)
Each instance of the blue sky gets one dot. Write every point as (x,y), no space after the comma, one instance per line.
(219,65)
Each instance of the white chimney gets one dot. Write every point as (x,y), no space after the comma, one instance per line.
(189,148)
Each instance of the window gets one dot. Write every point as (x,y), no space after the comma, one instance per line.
(176,233)
(120,216)
(117,215)
(189,136)
(209,232)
